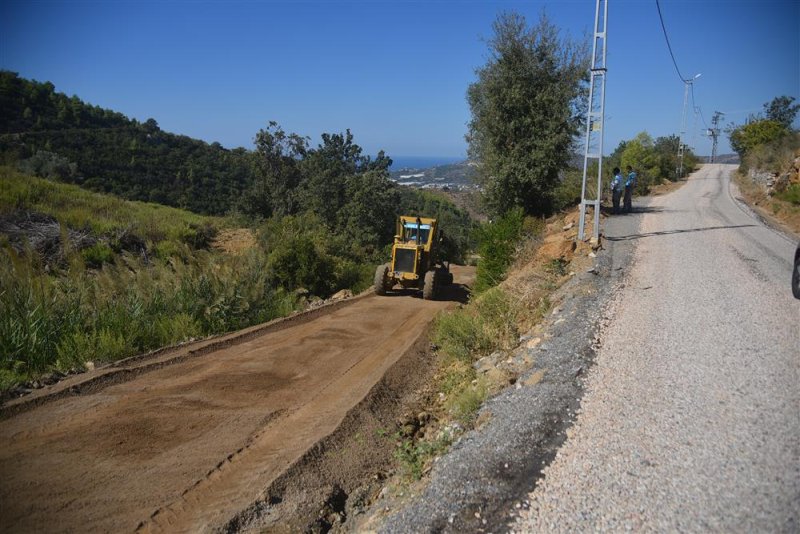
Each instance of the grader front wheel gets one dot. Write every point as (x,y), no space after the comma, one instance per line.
(381,280)
(429,289)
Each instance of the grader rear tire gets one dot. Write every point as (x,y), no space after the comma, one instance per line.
(430,288)
(381,281)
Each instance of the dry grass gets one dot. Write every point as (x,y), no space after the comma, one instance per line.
(234,240)
(780,212)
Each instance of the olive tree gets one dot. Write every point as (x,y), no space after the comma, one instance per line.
(526,109)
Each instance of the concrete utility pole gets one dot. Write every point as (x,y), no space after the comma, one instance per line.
(714,133)
(595,122)
(681,144)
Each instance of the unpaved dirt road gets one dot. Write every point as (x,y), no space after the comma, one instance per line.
(691,417)
(184,445)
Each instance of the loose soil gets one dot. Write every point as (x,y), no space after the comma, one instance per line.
(271,426)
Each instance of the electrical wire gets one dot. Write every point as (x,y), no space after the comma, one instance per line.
(669,47)
(697,109)
(703,118)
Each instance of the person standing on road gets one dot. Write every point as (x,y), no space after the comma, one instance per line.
(630,183)
(616,189)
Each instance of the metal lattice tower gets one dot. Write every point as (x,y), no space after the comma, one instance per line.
(682,136)
(595,122)
(714,133)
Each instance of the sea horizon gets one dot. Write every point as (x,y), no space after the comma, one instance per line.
(423,162)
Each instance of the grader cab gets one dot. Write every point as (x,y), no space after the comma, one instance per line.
(415,259)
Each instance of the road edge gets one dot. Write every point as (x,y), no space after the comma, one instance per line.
(130,368)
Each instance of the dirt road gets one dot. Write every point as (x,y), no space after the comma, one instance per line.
(185,444)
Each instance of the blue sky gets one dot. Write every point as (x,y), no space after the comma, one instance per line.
(394,72)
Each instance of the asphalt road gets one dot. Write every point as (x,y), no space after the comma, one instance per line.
(691,417)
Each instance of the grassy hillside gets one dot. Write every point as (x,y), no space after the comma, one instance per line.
(89,277)
(75,207)
(54,135)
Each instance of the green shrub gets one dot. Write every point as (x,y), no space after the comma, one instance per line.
(35,313)
(199,236)
(790,194)
(497,243)
(568,192)
(48,165)
(126,307)
(458,334)
(413,456)
(771,155)
(747,137)
(176,328)
(557,266)
(487,324)
(96,345)
(354,276)
(299,263)
(96,255)
(465,404)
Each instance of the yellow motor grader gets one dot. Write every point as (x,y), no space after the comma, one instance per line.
(415,259)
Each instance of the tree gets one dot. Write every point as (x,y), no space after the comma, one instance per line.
(666,149)
(278,174)
(525,109)
(746,137)
(639,153)
(781,110)
(368,216)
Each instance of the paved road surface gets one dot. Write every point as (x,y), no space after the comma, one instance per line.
(183,447)
(691,419)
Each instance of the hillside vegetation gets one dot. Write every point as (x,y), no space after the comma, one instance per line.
(59,136)
(48,134)
(88,277)
(769,150)
(119,224)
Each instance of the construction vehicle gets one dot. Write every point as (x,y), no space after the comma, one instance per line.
(415,259)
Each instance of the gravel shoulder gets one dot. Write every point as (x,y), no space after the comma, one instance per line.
(691,417)
(485,478)
(663,396)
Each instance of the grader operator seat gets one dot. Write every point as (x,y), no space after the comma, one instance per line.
(413,230)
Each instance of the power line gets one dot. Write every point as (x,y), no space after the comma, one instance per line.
(698,110)
(703,118)
(669,47)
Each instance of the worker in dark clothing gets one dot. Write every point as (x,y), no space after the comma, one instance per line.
(630,183)
(616,189)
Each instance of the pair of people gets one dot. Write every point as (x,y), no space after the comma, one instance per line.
(617,188)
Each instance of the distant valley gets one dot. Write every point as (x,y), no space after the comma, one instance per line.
(451,176)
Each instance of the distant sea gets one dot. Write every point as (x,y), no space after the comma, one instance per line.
(423,162)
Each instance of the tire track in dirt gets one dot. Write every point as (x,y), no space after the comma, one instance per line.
(186,446)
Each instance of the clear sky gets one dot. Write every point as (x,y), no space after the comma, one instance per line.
(394,72)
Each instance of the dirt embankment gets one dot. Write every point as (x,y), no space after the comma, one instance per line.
(758,189)
(277,422)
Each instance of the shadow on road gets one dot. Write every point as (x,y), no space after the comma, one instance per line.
(607,210)
(670,232)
